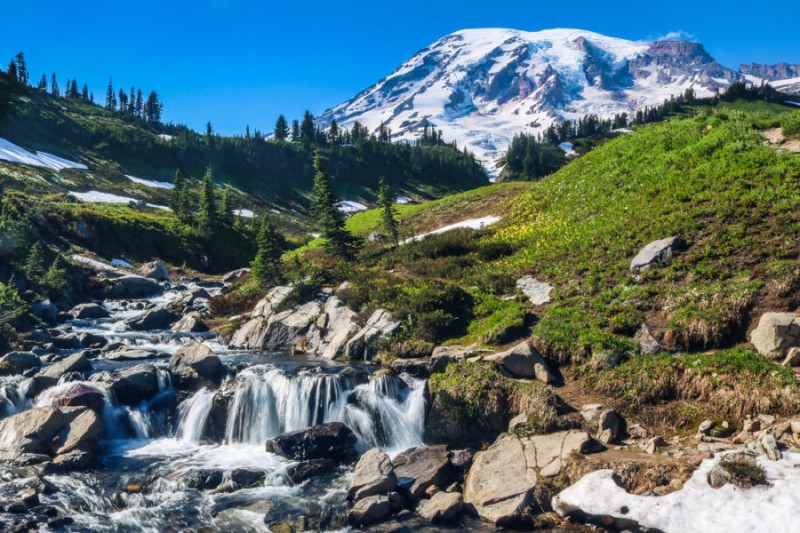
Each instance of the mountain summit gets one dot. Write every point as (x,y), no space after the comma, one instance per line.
(481,86)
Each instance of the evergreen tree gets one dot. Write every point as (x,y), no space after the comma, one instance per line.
(139,111)
(54,90)
(85,93)
(123,101)
(42,83)
(74,90)
(208,204)
(132,101)
(22,70)
(12,71)
(266,266)
(281,131)
(111,101)
(185,205)
(333,132)
(35,265)
(175,201)
(386,201)
(152,109)
(326,212)
(226,209)
(308,132)
(55,280)
(295,131)
(209,135)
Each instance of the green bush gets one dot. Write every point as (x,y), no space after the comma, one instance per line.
(791,123)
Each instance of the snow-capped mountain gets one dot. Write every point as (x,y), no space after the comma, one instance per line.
(782,76)
(482,86)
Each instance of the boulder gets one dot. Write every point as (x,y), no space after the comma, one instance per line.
(419,469)
(444,355)
(333,441)
(442,507)
(775,333)
(49,376)
(235,275)
(82,396)
(286,329)
(90,340)
(248,477)
(380,325)
(14,363)
(131,353)
(45,311)
(338,323)
(792,357)
(252,334)
(204,479)
(413,367)
(374,474)
(194,365)
(657,252)
(131,287)
(89,311)
(194,295)
(153,319)
(502,478)
(648,344)
(154,270)
(370,510)
(135,384)
(523,361)
(611,427)
(299,472)
(191,323)
(537,291)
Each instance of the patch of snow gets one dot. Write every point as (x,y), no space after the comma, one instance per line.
(244,213)
(121,263)
(472,223)
(792,103)
(151,183)
(622,130)
(568,148)
(16,154)
(165,137)
(315,234)
(93,263)
(403,200)
(97,197)
(349,206)
(697,506)
(275,211)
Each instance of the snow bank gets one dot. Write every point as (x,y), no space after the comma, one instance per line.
(165,137)
(349,206)
(97,197)
(121,263)
(696,507)
(151,183)
(93,263)
(473,223)
(403,200)
(244,213)
(568,148)
(16,154)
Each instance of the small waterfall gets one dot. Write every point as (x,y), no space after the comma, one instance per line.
(13,395)
(194,413)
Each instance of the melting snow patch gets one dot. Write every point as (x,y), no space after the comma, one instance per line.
(473,223)
(16,154)
(165,137)
(151,183)
(121,263)
(568,148)
(698,506)
(349,206)
(97,197)
(793,103)
(403,200)
(244,213)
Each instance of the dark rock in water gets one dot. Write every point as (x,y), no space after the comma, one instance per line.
(248,477)
(191,323)
(334,441)
(82,396)
(420,468)
(194,365)
(90,340)
(413,367)
(67,342)
(50,375)
(89,311)
(45,311)
(18,362)
(304,470)
(135,384)
(130,353)
(204,479)
(153,319)
(370,510)
(131,287)
(59,522)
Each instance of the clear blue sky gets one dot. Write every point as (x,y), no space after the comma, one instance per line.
(237,62)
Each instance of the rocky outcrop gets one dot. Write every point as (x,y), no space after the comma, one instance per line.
(501,481)
(338,323)
(374,475)
(657,252)
(522,361)
(152,320)
(18,362)
(538,292)
(441,507)
(136,384)
(775,333)
(380,325)
(131,287)
(154,270)
(648,344)
(89,311)
(332,441)
(252,334)
(444,355)
(285,330)
(194,365)
(235,275)
(191,323)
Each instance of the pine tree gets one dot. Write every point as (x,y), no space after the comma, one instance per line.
(266,266)
(152,109)
(185,205)
(132,101)
(386,201)
(85,93)
(22,70)
(12,71)
(326,212)
(226,209)
(281,131)
(333,132)
(55,280)
(123,101)
(177,190)
(139,104)
(111,103)
(295,131)
(209,135)
(54,90)
(35,262)
(42,83)
(308,132)
(74,90)
(208,204)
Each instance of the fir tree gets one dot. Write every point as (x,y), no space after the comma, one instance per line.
(85,93)
(132,101)
(386,201)
(54,90)
(152,109)
(73,90)
(55,280)
(22,70)
(266,266)
(42,83)
(139,111)
(177,190)
(226,209)
(123,101)
(326,212)
(35,265)
(295,131)
(308,132)
(111,101)
(281,131)
(12,71)
(208,204)
(333,132)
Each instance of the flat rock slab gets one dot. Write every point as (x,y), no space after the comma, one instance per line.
(656,252)
(538,292)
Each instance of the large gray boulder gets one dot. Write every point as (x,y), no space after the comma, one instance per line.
(538,292)
(374,474)
(131,287)
(442,507)
(153,319)
(775,333)
(235,275)
(194,365)
(648,344)
(523,361)
(657,252)
(14,363)
(370,510)
(444,355)
(287,329)
(325,441)
(135,384)
(419,469)
(191,323)
(337,324)
(502,478)
(131,353)
(50,375)
(380,325)
(252,334)
(89,311)
(154,270)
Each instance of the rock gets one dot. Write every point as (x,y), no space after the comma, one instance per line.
(14,363)
(769,446)
(248,477)
(50,375)
(657,252)
(153,319)
(648,344)
(705,427)
(412,367)
(131,353)
(653,444)
(82,396)
(502,478)
(251,335)
(444,355)
(135,384)
(333,441)
(370,510)
(590,412)
(191,323)
(380,325)
(195,295)
(90,340)
(194,365)
(28,497)
(792,357)
(299,472)
(286,329)
(537,291)
(132,287)
(45,311)
(204,479)
(89,311)
(637,431)
(611,427)
(442,507)
(235,275)
(523,361)
(338,323)
(154,270)
(374,474)
(775,333)
(420,468)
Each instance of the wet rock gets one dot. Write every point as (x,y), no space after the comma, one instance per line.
(444,355)
(334,441)
(611,427)
(194,296)
(131,287)
(523,361)
(380,325)
(135,384)
(29,497)
(248,477)
(420,468)
(775,333)
(648,344)
(90,340)
(374,474)
(50,375)
(152,320)
(442,507)
(45,311)
(82,396)
(89,311)
(370,510)
(413,367)
(304,470)
(60,522)
(252,334)
(191,323)
(14,363)
(131,353)
(235,275)
(194,365)
(204,479)
(537,291)
(154,270)
(657,252)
